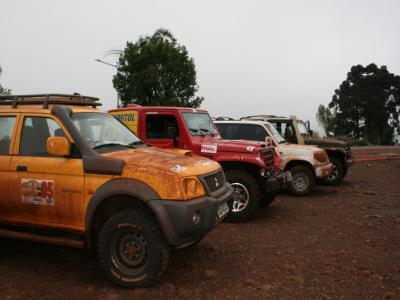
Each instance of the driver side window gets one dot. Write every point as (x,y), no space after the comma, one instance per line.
(157,126)
(34,135)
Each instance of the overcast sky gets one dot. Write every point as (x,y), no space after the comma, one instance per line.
(272,57)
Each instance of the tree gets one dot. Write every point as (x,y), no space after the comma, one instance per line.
(156,70)
(4,91)
(365,102)
(326,119)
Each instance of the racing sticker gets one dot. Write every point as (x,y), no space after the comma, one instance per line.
(38,192)
(209,148)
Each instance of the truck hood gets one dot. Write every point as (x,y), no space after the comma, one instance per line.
(295,149)
(325,142)
(237,146)
(178,161)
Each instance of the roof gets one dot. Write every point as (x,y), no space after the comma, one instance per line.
(264,117)
(158,108)
(245,121)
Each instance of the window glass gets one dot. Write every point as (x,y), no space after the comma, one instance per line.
(250,132)
(303,129)
(157,126)
(275,133)
(199,123)
(35,132)
(6,129)
(102,130)
(286,130)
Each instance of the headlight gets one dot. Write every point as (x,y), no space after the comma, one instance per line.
(192,188)
(321,156)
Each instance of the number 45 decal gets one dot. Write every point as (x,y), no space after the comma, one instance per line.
(38,192)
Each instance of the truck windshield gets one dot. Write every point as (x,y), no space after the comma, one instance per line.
(199,123)
(275,133)
(102,130)
(303,129)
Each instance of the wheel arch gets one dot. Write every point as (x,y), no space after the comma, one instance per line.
(337,154)
(293,163)
(113,196)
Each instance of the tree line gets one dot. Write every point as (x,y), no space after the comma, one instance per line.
(365,107)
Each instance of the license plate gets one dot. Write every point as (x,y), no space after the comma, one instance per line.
(222,210)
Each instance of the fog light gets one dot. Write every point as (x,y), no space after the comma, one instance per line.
(196,218)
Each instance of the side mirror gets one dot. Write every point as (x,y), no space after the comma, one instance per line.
(268,141)
(58,146)
(172,133)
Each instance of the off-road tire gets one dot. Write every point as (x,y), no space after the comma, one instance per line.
(268,198)
(139,228)
(341,172)
(304,173)
(250,183)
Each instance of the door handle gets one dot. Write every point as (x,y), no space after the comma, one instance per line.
(22,168)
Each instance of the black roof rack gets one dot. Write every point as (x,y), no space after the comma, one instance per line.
(46,99)
(260,117)
(223,119)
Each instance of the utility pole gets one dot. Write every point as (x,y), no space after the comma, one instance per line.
(111,65)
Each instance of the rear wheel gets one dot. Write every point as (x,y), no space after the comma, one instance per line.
(132,250)
(338,172)
(246,196)
(303,180)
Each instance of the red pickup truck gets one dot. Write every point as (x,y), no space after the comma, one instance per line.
(251,168)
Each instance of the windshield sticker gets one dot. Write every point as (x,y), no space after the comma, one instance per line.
(37,192)
(177,168)
(209,148)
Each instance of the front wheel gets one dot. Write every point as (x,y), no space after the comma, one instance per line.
(246,196)
(338,172)
(132,250)
(303,180)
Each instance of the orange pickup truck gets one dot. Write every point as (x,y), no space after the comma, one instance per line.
(73,175)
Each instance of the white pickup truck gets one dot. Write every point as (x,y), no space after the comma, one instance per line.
(306,163)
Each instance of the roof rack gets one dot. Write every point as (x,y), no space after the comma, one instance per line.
(260,117)
(223,119)
(46,99)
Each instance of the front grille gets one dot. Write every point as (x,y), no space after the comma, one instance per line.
(214,181)
(268,157)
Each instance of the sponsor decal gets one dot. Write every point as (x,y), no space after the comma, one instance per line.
(38,192)
(209,148)
(129,118)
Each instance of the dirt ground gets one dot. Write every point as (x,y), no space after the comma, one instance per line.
(338,243)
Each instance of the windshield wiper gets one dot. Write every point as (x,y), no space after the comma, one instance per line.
(136,143)
(197,131)
(110,145)
(207,131)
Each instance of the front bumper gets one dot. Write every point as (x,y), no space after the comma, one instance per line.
(323,171)
(176,217)
(275,183)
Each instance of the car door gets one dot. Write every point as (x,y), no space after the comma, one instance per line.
(7,132)
(44,188)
